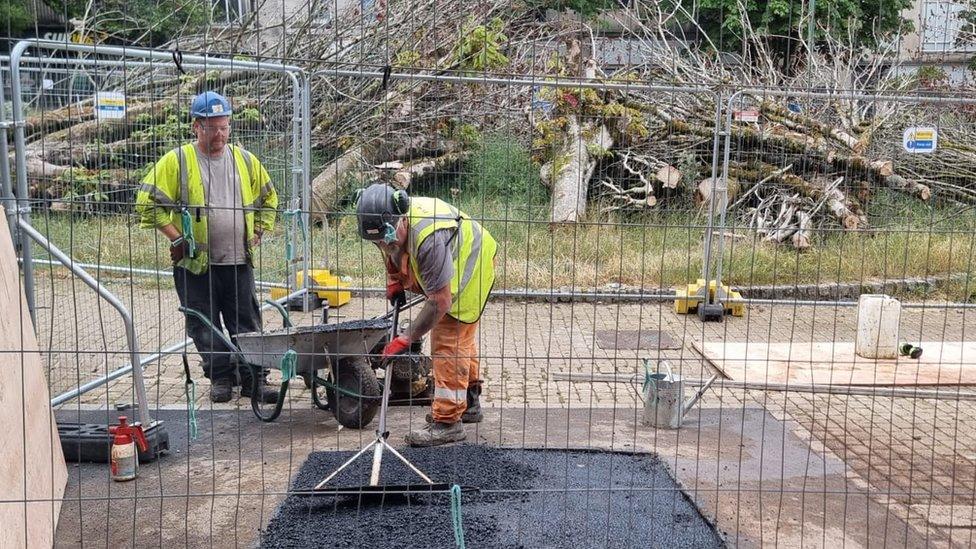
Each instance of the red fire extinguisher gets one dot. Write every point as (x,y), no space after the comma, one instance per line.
(125,458)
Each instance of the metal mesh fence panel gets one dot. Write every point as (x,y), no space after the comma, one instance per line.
(834,233)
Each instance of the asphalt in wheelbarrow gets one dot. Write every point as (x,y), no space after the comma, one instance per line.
(348,326)
(527,498)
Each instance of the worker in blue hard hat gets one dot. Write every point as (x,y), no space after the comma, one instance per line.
(213,201)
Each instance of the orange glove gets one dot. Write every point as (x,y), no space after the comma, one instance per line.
(398,346)
(395,294)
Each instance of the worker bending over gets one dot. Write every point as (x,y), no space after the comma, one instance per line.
(431,248)
(213,201)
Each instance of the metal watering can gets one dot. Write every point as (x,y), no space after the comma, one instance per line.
(664,404)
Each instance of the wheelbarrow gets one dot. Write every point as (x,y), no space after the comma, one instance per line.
(333,358)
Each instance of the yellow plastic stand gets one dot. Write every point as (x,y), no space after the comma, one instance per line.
(320,277)
(687,298)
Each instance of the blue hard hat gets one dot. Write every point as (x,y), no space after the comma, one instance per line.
(210,104)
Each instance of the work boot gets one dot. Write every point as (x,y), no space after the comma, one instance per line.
(472,414)
(221,389)
(435,434)
(268,395)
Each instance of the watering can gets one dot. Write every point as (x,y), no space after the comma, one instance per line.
(664,398)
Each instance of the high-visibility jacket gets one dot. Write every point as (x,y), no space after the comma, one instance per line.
(472,249)
(175,182)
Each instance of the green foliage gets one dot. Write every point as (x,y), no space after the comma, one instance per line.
(586,8)
(164,135)
(500,168)
(83,189)
(407,58)
(869,21)
(248,115)
(453,129)
(931,76)
(480,47)
(142,22)
(14,17)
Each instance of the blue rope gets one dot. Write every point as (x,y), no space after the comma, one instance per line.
(288,362)
(456,516)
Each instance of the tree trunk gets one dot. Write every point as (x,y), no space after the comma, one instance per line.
(333,181)
(573,167)
(413,171)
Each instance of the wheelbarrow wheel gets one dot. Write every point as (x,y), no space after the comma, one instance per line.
(353,376)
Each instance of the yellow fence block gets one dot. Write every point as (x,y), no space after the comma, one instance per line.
(320,277)
(687,298)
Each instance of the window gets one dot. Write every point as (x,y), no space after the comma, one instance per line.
(945,28)
(227,12)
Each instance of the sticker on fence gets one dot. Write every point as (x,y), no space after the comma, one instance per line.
(747,115)
(920,139)
(110,105)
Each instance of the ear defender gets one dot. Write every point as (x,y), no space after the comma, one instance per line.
(401,202)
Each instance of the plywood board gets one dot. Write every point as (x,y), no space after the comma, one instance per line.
(941,363)
(32,469)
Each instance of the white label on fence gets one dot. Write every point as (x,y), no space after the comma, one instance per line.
(110,105)
(920,139)
(47,84)
(750,115)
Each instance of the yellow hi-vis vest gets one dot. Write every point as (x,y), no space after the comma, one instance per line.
(472,249)
(175,182)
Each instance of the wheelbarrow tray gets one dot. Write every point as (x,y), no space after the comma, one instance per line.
(314,344)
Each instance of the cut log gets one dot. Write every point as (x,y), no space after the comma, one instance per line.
(545,174)
(573,167)
(795,121)
(839,205)
(884,168)
(416,170)
(899,183)
(801,238)
(56,119)
(706,187)
(333,181)
(38,168)
(669,176)
(834,199)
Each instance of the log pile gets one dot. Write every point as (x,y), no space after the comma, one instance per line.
(795,165)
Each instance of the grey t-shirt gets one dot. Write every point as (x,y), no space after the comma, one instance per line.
(434,260)
(225,214)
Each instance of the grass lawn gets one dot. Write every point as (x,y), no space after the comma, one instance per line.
(663,249)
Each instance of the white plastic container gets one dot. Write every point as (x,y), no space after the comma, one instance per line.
(878,317)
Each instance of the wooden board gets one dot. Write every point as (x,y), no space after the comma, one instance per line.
(941,363)
(30,439)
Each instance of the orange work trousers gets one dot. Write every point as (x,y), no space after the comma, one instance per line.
(455,357)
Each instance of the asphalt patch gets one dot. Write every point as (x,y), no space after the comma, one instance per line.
(528,498)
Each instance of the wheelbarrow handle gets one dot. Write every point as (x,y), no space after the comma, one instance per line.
(393,312)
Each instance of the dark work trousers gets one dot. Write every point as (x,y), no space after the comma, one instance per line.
(225,295)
